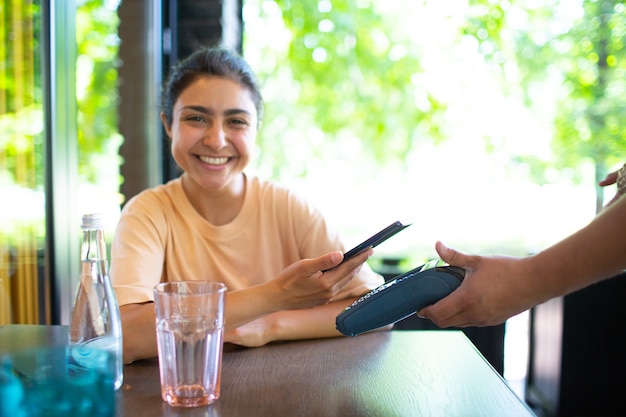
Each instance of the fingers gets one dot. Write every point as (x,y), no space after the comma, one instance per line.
(344,272)
(340,274)
(610,179)
(327,272)
(333,260)
(328,261)
(447,254)
(443,312)
(454,257)
(447,312)
(452,312)
(458,320)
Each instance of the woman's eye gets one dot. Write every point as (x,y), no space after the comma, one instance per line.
(239,122)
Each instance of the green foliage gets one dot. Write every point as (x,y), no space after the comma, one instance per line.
(585,50)
(97,47)
(21,117)
(591,123)
(348,75)
(20,34)
(21,147)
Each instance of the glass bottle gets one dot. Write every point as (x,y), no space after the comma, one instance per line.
(95,320)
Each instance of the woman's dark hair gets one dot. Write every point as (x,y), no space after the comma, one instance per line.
(207,62)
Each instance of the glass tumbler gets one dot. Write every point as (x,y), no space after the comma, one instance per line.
(190,332)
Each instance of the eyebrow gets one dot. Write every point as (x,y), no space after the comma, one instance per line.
(205,110)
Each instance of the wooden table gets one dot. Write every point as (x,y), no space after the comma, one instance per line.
(397,373)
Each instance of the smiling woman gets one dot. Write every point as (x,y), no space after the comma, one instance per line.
(274,251)
(213,132)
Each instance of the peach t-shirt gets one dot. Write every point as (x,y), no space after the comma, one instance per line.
(161,237)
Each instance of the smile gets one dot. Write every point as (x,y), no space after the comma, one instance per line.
(213,161)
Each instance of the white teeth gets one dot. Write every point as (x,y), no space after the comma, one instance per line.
(213,161)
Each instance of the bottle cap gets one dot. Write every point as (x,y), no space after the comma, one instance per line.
(92,221)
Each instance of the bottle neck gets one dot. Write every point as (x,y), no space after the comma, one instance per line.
(94,246)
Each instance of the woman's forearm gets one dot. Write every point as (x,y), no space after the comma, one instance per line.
(139,331)
(287,325)
(309,323)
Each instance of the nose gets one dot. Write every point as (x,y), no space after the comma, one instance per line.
(215,137)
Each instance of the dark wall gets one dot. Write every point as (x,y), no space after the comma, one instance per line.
(578,352)
(135,112)
(192,24)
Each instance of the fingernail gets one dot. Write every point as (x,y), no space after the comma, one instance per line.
(335,257)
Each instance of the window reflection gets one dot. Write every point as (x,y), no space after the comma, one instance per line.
(21,170)
(26,292)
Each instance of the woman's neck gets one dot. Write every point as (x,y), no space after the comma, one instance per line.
(217,206)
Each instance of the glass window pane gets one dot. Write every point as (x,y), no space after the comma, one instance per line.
(22,221)
(97,102)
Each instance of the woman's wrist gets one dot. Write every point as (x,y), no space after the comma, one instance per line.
(249,304)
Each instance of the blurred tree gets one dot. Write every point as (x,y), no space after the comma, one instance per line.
(97,46)
(583,44)
(21,117)
(350,76)
(21,122)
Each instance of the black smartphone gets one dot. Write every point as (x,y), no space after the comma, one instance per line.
(376,240)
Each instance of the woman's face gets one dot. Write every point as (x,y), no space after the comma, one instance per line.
(214,125)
